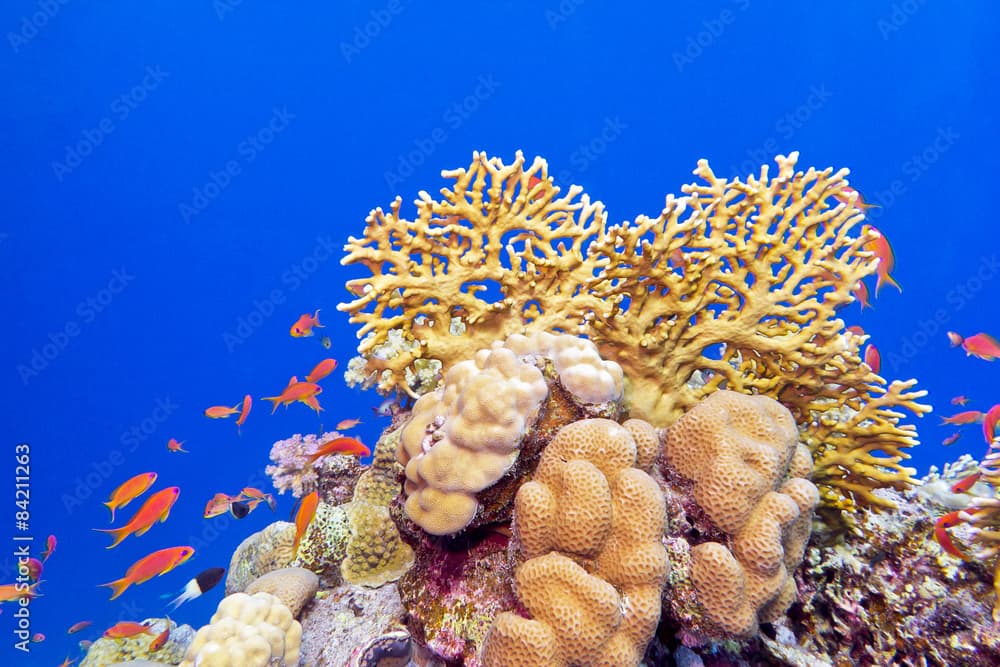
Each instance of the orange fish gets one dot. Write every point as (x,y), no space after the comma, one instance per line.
(873,358)
(218,505)
(37,637)
(963,418)
(256,496)
(321,370)
(76,627)
(345,424)
(126,629)
(221,411)
(342,445)
(966,483)
(860,293)
(981,345)
(951,439)
(887,260)
(129,491)
(844,196)
(313,404)
(160,639)
(247,402)
(67,662)
(50,547)
(990,420)
(959,400)
(298,391)
(174,446)
(941,527)
(307,510)
(34,567)
(954,338)
(155,564)
(304,325)
(11,592)
(155,509)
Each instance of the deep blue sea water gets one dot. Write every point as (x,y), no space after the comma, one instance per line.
(178,178)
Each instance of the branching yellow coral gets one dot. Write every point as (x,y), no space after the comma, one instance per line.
(733,285)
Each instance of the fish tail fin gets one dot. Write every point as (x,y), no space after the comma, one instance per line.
(190,592)
(118,533)
(274,400)
(111,506)
(885,278)
(316,320)
(117,586)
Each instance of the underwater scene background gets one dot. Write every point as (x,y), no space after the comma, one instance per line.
(180,181)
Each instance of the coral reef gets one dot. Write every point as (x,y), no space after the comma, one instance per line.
(105,651)
(292,471)
(247,631)
(737,280)
(294,586)
(260,553)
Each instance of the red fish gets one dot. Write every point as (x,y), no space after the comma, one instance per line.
(298,391)
(34,567)
(160,639)
(342,445)
(959,400)
(887,260)
(244,411)
(345,424)
(129,490)
(321,370)
(174,446)
(307,510)
(155,509)
(50,547)
(221,411)
(990,420)
(981,345)
(941,527)
(860,293)
(155,564)
(304,325)
(963,418)
(966,483)
(873,358)
(76,627)
(126,629)
(37,637)
(951,439)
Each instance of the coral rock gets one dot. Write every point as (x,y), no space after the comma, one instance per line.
(294,586)
(264,551)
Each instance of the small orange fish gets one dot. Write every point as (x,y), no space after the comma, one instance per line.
(873,359)
(981,345)
(155,564)
(342,445)
(887,260)
(256,496)
(856,330)
(129,491)
(963,418)
(126,629)
(844,196)
(67,662)
(955,339)
(76,627)
(959,400)
(951,439)
(941,527)
(155,509)
(10,592)
(966,483)
(345,424)
(990,420)
(218,505)
(160,639)
(307,510)
(174,446)
(221,411)
(50,547)
(247,402)
(861,295)
(304,325)
(321,370)
(38,637)
(297,391)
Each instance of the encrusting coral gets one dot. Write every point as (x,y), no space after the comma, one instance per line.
(736,282)
(266,550)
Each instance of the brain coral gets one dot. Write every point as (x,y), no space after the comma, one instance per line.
(590,527)
(265,550)
(742,454)
(247,631)
(737,281)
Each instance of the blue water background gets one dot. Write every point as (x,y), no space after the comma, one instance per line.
(116,116)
